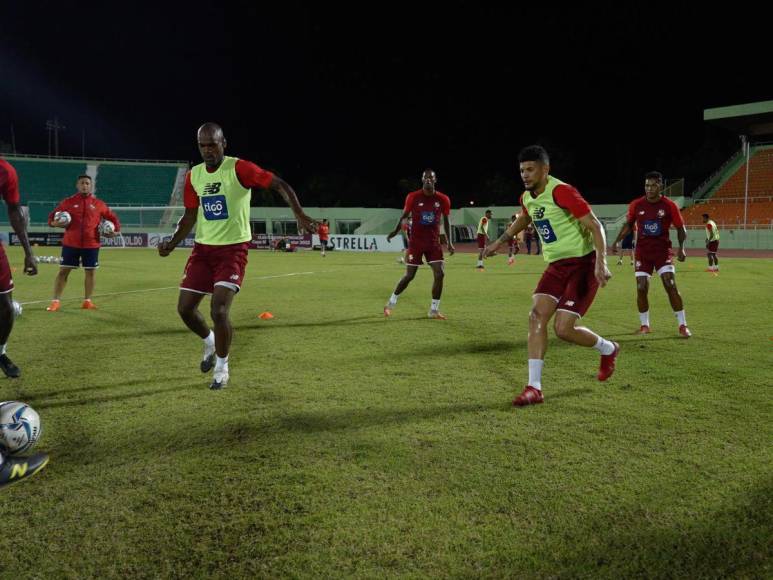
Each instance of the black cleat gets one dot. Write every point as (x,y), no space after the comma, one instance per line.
(11,370)
(208,363)
(14,469)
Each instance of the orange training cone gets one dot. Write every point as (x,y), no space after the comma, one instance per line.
(265,315)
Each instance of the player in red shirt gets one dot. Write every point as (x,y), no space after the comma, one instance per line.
(9,191)
(424,206)
(512,244)
(323,230)
(653,214)
(81,238)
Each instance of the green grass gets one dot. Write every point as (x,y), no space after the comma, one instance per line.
(347,445)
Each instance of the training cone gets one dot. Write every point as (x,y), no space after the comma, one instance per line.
(265,316)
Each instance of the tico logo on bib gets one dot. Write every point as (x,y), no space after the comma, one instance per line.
(651,228)
(545,230)
(215,207)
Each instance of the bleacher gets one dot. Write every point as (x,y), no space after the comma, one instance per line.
(43,182)
(726,204)
(128,184)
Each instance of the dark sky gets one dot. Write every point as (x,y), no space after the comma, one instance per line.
(351,105)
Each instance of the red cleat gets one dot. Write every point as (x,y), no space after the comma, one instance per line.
(607,366)
(644,329)
(88,305)
(684,331)
(529,396)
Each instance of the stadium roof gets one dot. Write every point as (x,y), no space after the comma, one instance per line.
(754,119)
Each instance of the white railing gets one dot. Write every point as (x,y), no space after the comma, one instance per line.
(66,158)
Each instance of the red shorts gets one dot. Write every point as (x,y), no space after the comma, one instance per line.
(6,280)
(481,240)
(211,266)
(713,246)
(571,282)
(660,261)
(431,252)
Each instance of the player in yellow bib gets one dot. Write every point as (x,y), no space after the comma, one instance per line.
(712,244)
(217,202)
(575,248)
(482,237)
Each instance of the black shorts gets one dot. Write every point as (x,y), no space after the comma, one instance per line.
(72,257)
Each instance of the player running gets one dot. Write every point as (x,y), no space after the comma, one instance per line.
(217,202)
(574,246)
(652,215)
(424,206)
(483,237)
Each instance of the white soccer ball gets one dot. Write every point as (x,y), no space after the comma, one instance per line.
(19,427)
(106,227)
(63,218)
(17,309)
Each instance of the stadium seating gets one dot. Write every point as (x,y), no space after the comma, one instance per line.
(45,179)
(760,212)
(760,178)
(135,185)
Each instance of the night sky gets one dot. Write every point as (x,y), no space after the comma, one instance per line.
(350,106)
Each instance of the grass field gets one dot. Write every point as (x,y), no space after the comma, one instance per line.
(347,445)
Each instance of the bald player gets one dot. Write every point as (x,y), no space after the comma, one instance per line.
(217,202)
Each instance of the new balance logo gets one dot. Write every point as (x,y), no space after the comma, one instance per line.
(234,276)
(19,470)
(212,188)
(539,213)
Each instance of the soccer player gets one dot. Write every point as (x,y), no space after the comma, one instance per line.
(512,244)
(424,206)
(652,215)
(482,237)
(81,238)
(324,232)
(529,236)
(217,202)
(9,191)
(574,246)
(712,244)
(627,245)
(14,469)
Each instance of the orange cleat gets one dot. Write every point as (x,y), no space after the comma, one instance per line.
(436,315)
(88,305)
(529,396)
(644,329)
(387,311)
(54,306)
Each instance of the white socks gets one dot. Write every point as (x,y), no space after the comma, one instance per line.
(680,316)
(480,263)
(435,304)
(221,364)
(535,373)
(2,348)
(393,299)
(605,347)
(644,318)
(210,340)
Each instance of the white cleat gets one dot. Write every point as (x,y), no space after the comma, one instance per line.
(219,380)
(208,359)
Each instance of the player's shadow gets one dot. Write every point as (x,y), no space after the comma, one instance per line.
(424,352)
(88,388)
(112,398)
(354,419)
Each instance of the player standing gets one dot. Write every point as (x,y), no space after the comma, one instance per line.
(323,230)
(425,207)
(512,244)
(482,237)
(712,244)
(574,246)
(652,215)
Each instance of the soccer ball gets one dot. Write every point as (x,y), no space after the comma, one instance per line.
(19,427)
(17,309)
(63,218)
(106,227)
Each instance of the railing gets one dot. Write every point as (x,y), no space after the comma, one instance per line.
(721,200)
(733,226)
(67,158)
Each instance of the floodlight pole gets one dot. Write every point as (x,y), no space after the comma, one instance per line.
(747,145)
